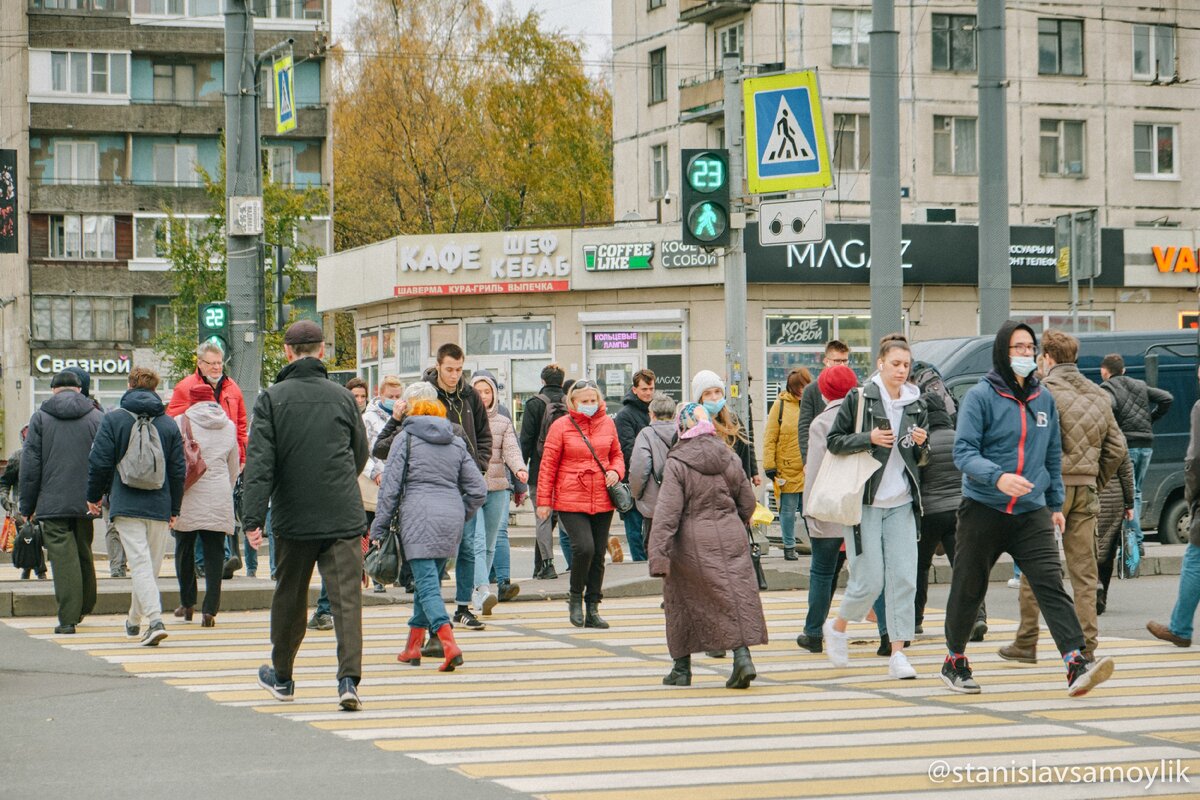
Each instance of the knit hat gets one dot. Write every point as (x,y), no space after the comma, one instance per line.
(692,420)
(85,380)
(704,380)
(201,393)
(836,382)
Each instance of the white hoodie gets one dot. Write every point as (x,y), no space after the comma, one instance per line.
(893,488)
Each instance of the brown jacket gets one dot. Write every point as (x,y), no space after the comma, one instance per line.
(1092,443)
(698,543)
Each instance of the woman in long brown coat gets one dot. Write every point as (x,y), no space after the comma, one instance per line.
(698,544)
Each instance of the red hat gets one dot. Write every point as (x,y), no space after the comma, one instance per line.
(836,382)
(201,393)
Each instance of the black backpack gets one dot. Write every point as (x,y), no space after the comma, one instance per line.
(554,410)
(27,550)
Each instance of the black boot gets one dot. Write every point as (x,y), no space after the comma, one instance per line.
(743,669)
(789,554)
(885,646)
(680,674)
(1101,601)
(575,605)
(548,571)
(593,619)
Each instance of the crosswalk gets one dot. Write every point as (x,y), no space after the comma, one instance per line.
(552,711)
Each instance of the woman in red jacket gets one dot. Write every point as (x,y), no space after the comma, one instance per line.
(573,480)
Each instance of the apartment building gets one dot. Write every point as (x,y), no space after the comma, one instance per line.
(118,107)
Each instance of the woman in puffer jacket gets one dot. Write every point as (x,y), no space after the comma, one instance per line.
(433,483)
(506,455)
(207,510)
(571,482)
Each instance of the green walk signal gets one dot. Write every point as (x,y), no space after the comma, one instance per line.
(705,196)
(213,324)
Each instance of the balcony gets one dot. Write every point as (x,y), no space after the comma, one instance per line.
(59,29)
(174,119)
(711,10)
(702,98)
(116,198)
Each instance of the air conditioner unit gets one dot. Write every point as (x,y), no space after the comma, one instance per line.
(941,215)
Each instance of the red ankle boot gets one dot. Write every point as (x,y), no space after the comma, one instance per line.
(450,648)
(412,650)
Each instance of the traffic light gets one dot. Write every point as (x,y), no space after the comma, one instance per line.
(280,286)
(213,326)
(705,197)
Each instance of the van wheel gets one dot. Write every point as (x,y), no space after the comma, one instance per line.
(1176,519)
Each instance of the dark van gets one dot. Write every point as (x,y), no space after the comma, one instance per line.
(1173,356)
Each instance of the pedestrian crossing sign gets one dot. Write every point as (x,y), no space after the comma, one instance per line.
(785,134)
(285,100)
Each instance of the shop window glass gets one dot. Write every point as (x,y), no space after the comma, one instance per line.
(409,350)
(664,340)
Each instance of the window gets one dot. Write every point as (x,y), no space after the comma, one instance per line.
(174,83)
(1154,52)
(730,39)
(851,37)
(954,146)
(1060,47)
(852,142)
(151,316)
(175,164)
(659,174)
(954,42)
(83,237)
(1062,147)
(653,4)
(75,162)
(658,75)
(280,164)
(73,72)
(152,236)
(177,8)
(80,318)
(1154,151)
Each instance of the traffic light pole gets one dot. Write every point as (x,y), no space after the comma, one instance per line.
(244,266)
(735,254)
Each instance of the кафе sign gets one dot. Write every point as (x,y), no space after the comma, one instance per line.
(930,254)
(483,263)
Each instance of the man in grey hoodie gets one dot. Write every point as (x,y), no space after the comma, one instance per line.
(53,487)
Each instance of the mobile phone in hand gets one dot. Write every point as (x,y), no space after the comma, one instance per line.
(883,423)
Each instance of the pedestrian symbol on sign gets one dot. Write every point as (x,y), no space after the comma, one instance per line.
(787,142)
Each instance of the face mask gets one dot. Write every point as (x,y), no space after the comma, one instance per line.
(713,407)
(1023,365)
(387,405)
(589,409)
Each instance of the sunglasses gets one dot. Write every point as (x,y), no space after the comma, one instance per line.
(580,385)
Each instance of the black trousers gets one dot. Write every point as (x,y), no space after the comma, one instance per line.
(936,529)
(340,562)
(983,534)
(213,545)
(589,542)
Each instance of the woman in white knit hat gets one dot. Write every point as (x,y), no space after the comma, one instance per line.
(709,390)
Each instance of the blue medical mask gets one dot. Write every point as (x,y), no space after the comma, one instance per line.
(387,405)
(713,407)
(1023,365)
(588,409)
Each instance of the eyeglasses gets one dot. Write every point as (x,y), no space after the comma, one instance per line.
(845,360)
(578,385)
(213,363)
(1023,348)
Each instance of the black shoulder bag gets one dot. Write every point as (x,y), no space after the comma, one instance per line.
(383,562)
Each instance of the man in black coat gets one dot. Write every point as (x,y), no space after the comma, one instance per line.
(633,416)
(53,485)
(811,401)
(531,430)
(306,449)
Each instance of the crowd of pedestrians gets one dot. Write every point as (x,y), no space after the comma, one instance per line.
(1034,454)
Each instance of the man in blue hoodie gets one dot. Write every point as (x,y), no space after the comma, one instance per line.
(142,516)
(1009,449)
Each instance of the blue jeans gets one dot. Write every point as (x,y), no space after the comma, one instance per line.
(1139,457)
(822,583)
(429,610)
(464,564)
(488,520)
(789,506)
(633,535)
(495,511)
(323,605)
(564,544)
(1189,594)
(887,564)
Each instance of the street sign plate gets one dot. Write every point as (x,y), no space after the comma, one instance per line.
(786,147)
(285,98)
(791,221)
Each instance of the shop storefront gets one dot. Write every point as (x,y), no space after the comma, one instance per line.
(108,369)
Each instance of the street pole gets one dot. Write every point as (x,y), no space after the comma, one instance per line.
(995,274)
(735,254)
(887,279)
(244,266)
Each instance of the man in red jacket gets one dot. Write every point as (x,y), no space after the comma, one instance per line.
(210,368)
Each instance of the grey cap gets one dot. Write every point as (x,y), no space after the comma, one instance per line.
(304,331)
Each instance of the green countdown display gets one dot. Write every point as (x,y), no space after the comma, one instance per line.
(704,197)
(213,324)
(707,173)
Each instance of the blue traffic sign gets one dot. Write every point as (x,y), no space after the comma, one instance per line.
(785,134)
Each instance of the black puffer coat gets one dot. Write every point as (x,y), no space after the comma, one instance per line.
(54,462)
(941,481)
(1137,407)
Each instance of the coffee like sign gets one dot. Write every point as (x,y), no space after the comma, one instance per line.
(606,257)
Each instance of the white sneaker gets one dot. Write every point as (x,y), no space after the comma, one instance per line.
(483,601)
(1014,583)
(898,667)
(837,645)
